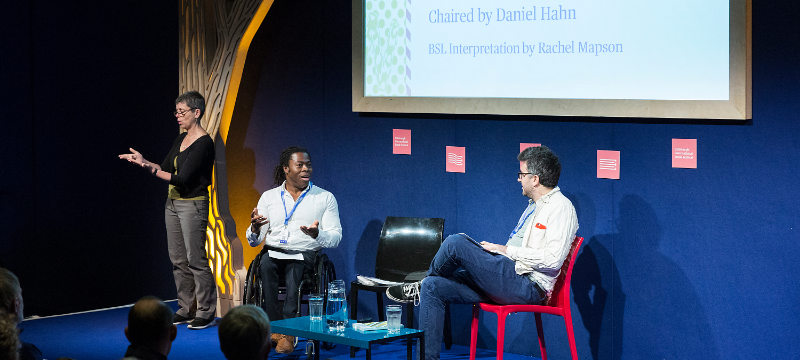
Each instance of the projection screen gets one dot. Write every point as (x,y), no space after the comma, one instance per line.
(615,58)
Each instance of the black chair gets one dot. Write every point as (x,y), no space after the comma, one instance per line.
(314,281)
(407,245)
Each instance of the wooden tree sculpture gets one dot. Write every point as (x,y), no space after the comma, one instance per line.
(210,32)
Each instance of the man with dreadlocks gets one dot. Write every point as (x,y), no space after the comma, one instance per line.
(294,220)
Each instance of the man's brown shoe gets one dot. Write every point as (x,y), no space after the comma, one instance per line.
(275,338)
(285,345)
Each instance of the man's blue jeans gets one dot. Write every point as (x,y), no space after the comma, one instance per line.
(463,273)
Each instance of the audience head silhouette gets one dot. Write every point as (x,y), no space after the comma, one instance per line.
(150,328)
(10,295)
(244,333)
(9,338)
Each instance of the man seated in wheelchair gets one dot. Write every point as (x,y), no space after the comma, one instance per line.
(294,221)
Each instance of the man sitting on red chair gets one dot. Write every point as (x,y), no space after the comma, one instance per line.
(523,271)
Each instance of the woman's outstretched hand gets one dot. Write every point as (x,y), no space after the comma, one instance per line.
(134,157)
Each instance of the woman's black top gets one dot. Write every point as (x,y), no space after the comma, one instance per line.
(195,166)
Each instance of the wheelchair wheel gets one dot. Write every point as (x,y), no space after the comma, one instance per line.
(324,274)
(249,285)
(252,284)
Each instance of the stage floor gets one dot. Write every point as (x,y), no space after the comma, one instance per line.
(99,335)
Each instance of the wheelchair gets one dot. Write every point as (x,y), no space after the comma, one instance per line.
(315,281)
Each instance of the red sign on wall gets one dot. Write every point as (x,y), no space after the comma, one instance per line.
(401,140)
(523,146)
(684,153)
(455,159)
(607,164)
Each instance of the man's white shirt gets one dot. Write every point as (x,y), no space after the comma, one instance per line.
(547,240)
(317,205)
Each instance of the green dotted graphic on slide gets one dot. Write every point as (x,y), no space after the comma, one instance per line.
(387,61)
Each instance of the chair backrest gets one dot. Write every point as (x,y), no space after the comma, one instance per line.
(407,244)
(560,295)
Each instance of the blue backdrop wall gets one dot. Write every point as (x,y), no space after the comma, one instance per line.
(678,263)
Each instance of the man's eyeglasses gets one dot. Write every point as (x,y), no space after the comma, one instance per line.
(521,174)
(181,112)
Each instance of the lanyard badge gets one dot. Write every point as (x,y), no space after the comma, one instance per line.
(523,218)
(284,236)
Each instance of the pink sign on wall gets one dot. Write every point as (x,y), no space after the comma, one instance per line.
(684,153)
(607,164)
(401,140)
(523,146)
(455,159)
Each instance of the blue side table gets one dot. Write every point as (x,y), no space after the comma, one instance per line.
(318,331)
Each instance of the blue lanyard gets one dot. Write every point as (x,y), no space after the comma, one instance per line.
(289,215)
(522,219)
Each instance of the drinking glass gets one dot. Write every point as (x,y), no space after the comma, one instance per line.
(393,314)
(315,306)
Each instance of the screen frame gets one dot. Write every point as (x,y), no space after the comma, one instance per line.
(737,107)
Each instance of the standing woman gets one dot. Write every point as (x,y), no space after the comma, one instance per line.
(188,168)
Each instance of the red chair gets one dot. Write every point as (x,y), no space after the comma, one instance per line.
(558,304)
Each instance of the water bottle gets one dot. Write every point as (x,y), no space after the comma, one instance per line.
(336,312)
